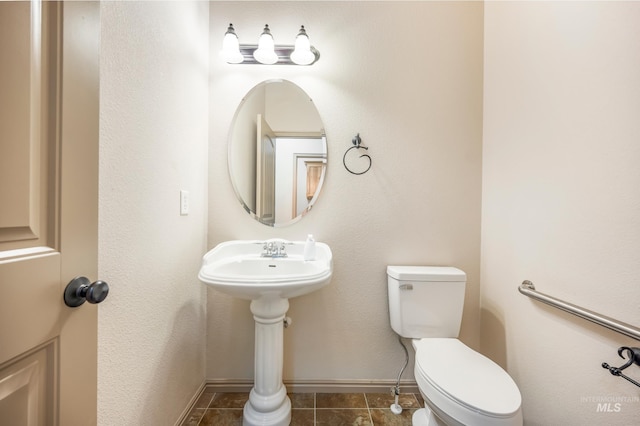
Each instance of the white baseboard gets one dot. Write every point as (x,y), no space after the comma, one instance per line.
(318,386)
(191,403)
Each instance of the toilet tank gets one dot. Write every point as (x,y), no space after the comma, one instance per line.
(426,301)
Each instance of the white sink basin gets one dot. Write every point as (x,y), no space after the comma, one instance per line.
(238,268)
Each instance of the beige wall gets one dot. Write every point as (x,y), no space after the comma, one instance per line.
(153,143)
(408,78)
(560,201)
(559,175)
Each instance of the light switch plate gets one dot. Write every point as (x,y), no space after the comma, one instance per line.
(184,202)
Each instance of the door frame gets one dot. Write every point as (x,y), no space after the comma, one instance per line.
(79,142)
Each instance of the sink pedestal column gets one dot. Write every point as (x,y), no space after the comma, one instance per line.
(268,402)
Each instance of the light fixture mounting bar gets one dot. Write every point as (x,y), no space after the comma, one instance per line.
(283,52)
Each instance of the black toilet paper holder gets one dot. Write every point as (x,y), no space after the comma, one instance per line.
(633,357)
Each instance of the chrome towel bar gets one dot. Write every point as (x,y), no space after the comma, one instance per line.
(528,289)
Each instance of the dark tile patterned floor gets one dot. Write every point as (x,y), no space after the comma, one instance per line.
(309,409)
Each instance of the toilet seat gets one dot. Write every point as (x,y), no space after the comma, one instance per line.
(464,384)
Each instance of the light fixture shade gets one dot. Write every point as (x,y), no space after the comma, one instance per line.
(302,54)
(265,53)
(231,47)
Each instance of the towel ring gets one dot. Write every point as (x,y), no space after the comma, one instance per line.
(356,145)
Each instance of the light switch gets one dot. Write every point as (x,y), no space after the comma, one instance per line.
(184,202)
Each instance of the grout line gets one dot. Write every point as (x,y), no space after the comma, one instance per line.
(199,418)
(366,401)
(226,408)
(204,411)
(213,396)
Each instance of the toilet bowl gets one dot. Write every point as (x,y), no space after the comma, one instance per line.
(463,387)
(459,386)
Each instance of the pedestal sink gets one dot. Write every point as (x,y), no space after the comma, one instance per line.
(268,273)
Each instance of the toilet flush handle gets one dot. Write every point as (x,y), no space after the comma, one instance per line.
(406,286)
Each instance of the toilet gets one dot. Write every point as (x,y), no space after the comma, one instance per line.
(459,386)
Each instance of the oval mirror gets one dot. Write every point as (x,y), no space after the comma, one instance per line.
(277,153)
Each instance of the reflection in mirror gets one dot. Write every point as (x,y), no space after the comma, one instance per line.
(277,153)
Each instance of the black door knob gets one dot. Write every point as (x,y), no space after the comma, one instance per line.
(80,289)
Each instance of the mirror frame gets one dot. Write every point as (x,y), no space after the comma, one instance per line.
(230,151)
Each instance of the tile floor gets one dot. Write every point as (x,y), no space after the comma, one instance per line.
(309,409)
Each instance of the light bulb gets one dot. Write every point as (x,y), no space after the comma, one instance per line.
(231,47)
(265,53)
(302,54)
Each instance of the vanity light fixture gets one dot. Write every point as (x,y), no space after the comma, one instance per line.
(231,47)
(266,52)
(302,54)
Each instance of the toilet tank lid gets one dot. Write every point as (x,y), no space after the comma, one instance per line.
(426,273)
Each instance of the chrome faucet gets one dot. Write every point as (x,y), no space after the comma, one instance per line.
(273,249)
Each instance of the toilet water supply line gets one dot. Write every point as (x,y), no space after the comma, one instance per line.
(395,407)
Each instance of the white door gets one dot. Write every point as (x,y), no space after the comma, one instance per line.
(265,172)
(48,210)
